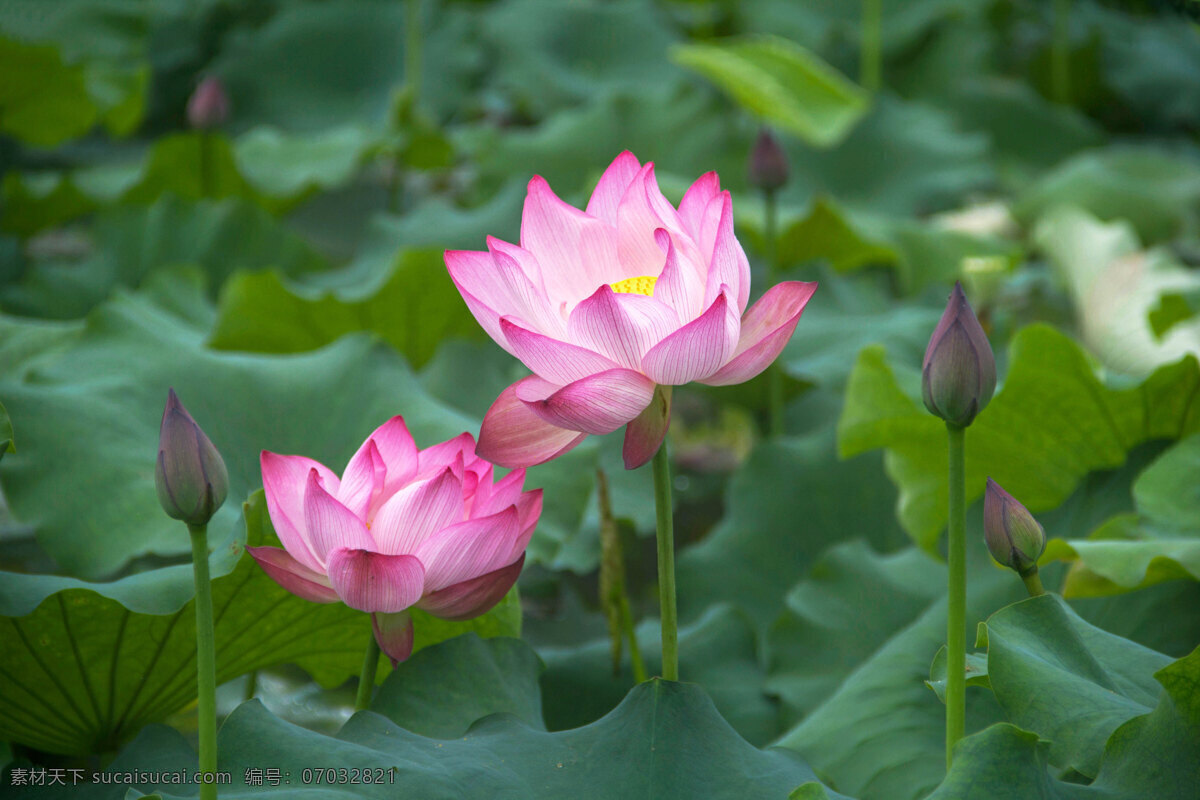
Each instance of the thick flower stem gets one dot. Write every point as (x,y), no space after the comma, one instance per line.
(870,57)
(206,660)
(1033,583)
(666,564)
(956,640)
(366,679)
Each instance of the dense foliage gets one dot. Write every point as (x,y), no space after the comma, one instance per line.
(280,266)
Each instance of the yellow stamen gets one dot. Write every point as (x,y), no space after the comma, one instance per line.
(640,285)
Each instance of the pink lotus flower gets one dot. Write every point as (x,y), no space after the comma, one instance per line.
(606,305)
(401,528)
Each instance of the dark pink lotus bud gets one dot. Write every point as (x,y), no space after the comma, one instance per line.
(958,376)
(190,475)
(768,163)
(1014,538)
(208,107)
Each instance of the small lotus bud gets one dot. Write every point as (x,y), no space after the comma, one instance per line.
(208,107)
(958,375)
(190,475)
(1013,536)
(768,163)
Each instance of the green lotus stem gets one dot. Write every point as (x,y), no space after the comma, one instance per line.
(666,564)
(366,679)
(206,660)
(956,639)
(1033,583)
(870,56)
(771,248)
(1060,53)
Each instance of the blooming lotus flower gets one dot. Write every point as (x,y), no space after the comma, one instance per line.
(400,528)
(606,305)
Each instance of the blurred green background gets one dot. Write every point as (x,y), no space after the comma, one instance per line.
(281,268)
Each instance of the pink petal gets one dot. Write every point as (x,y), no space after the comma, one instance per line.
(437,457)
(554,360)
(729,266)
(765,331)
(494,284)
(644,435)
(637,220)
(473,598)
(696,200)
(612,185)
(394,632)
(373,582)
(284,479)
(503,493)
(620,326)
(399,452)
(416,511)
(292,575)
(681,284)
(330,524)
(468,549)
(597,404)
(696,350)
(565,240)
(529,509)
(363,480)
(513,436)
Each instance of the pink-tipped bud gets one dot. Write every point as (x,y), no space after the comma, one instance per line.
(208,107)
(190,474)
(958,376)
(1014,538)
(768,163)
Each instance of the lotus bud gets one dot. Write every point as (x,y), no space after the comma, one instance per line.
(768,163)
(208,107)
(1014,538)
(190,475)
(958,375)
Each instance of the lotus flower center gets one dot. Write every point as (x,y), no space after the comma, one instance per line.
(643,284)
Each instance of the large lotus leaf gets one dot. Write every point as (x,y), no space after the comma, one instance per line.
(1116,286)
(436,223)
(850,657)
(6,433)
(718,651)
(666,741)
(922,253)
(768,538)
(131,243)
(312,65)
(781,82)
(52,110)
(1153,63)
(552,55)
(1051,423)
(902,158)
(687,134)
(104,39)
(89,420)
(820,24)
(1154,190)
(262,312)
(1154,755)
(290,165)
(1157,543)
(474,678)
(86,673)
(1066,680)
